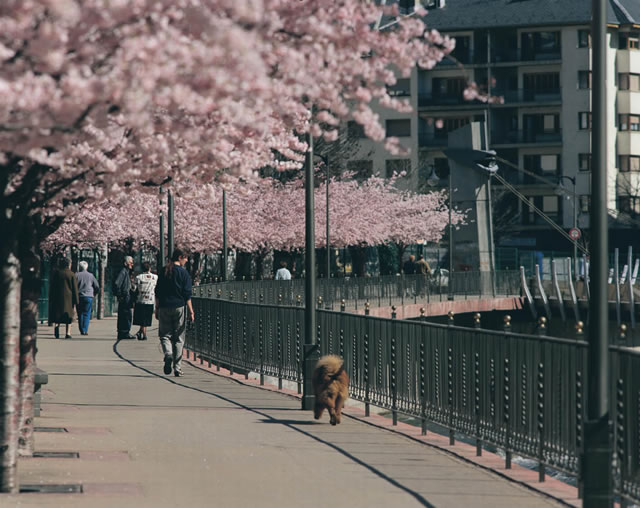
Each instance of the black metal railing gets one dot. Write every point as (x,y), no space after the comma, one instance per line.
(377,291)
(522,393)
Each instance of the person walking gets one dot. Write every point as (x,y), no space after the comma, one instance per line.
(87,288)
(122,289)
(283,273)
(424,270)
(63,297)
(173,300)
(143,311)
(409,268)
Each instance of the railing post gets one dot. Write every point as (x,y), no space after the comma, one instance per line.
(394,380)
(476,320)
(422,310)
(245,297)
(343,305)
(393,312)
(580,414)
(365,375)
(452,438)
(341,346)
(245,360)
(366,308)
(261,349)
(423,382)
(298,355)
(507,394)
(298,301)
(622,334)
(542,330)
(279,345)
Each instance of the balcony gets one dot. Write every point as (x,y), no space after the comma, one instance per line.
(526,137)
(429,140)
(524,95)
(431,100)
(500,55)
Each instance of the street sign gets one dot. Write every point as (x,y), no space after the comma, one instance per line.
(575,233)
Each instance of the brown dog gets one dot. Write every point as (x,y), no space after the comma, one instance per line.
(331,387)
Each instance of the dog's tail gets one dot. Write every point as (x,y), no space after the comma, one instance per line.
(328,368)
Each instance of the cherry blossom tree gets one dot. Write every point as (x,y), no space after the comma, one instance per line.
(99,97)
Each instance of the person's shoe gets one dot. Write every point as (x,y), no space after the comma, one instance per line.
(67,336)
(168,363)
(178,373)
(144,337)
(56,332)
(139,335)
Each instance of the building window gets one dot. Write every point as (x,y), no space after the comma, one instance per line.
(462,51)
(355,130)
(449,87)
(584,79)
(629,82)
(542,81)
(629,122)
(399,128)
(446,125)
(629,40)
(397,166)
(585,203)
(550,205)
(361,169)
(584,39)
(629,163)
(584,161)
(540,45)
(584,120)
(629,204)
(402,88)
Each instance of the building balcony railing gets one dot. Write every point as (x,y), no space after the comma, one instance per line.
(431,140)
(500,55)
(520,95)
(525,137)
(427,99)
(528,95)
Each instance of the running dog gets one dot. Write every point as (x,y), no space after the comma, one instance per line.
(331,387)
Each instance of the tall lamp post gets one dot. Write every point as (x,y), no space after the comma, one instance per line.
(310,345)
(225,260)
(597,455)
(170,224)
(433,181)
(574,197)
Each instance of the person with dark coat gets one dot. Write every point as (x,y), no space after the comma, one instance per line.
(63,297)
(122,290)
(173,300)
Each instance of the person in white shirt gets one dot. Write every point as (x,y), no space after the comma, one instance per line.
(143,311)
(283,273)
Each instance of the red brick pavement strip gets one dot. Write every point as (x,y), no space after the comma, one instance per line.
(551,487)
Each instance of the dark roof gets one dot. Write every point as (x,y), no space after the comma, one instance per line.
(470,14)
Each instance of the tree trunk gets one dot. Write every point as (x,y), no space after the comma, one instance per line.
(30,293)
(9,368)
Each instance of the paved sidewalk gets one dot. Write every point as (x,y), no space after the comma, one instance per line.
(146,439)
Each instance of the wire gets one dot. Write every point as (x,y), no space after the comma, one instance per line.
(548,219)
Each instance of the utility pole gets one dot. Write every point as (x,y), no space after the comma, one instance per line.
(597,456)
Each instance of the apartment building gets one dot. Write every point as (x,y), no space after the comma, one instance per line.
(535,54)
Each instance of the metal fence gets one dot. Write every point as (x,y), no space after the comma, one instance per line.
(378,291)
(525,394)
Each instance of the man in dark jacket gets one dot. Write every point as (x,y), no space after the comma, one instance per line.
(122,291)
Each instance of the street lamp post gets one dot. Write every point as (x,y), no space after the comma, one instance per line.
(310,345)
(597,455)
(574,197)
(170,207)
(225,260)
